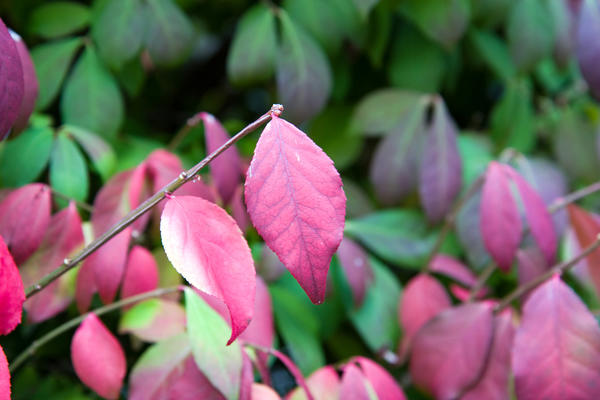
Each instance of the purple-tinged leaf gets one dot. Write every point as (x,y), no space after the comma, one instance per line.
(354,385)
(30,85)
(11,81)
(493,384)
(63,237)
(440,176)
(4,377)
(153,320)
(450,351)
(451,267)
(531,263)
(556,354)
(357,268)
(296,202)
(85,287)
(468,229)
(247,378)
(141,273)
(500,222)
(324,383)
(226,169)
(205,245)
(382,382)
(588,46)
(24,217)
(12,294)
(189,383)
(98,358)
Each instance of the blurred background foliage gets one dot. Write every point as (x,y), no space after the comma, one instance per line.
(118,79)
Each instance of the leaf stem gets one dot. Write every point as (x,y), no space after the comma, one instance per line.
(190,124)
(83,205)
(147,205)
(36,344)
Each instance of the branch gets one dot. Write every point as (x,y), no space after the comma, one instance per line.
(147,205)
(573,197)
(36,344)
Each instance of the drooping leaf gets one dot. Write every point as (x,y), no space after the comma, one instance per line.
(567,352)
(154,320)
(63,236)
(451,267)
(91,93)
(205,245)
(30,85)
(118,30)
(4,377)
(68,169)
(52,61)
(23,159)
(354,385)
(382,382)
(449,352)
(24,217)
(11,81)
(588,49)
(357,269)
(169,33)
(98,358)
(441,166)
(207,333)
(12,296)
(586,229)
(251,57)
(303,72)
(324,384)
(55,19)
(99,151)
(500,223)
(296,202)
(141,272)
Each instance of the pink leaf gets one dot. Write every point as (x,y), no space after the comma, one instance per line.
(440,176)
(238,209)
(30,85)
(24,217)
(450,350)
(247,378)
(63,236)
(296,202)
(561,338)
(12,294)
(451,267)
(191,384)
(494,382)
(263,392)
(226,169)
(205,245)
(357,269)
(4,377)
(423,298)
(98,358)
(538,217)
(85,287)
(324,383)
(354,384)
(382,382)
(295,371)
(11,81)
(500,222)
(531,264)
(141,273)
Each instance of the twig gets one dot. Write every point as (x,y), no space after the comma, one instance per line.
(147,205)
(573,197)
(190,124)
(84,206)
(557,269)
(36,344)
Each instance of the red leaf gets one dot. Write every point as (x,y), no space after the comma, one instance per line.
(30,85)
(296,202)
(324,382)
(63,236)
(205,245)
(423,298)
(98,358)
(141,273)
(226,169)
(451,267)
(12,294)
(494,382)
(11,81)
(4,377)
(586,229)
(85,287)
(354,384)
(383,383)
(500,222)
(357,269)
(450,350)
(556,354)
(24,217)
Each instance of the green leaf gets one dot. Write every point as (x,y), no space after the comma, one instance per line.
(208,334)
(102,155)
(303,72)
(398,236)
(132,76)
(91,98)
(416,62)
(251,57)
(153,320)
(379,33)
(55,19)
(52,61)
(490,13)
(118,30)
(365,6)
(333,132)
(475,153)
(23,159)
(444,21)
(169,32)
(512,119)
(299,328)
(494,52)
(68,171)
